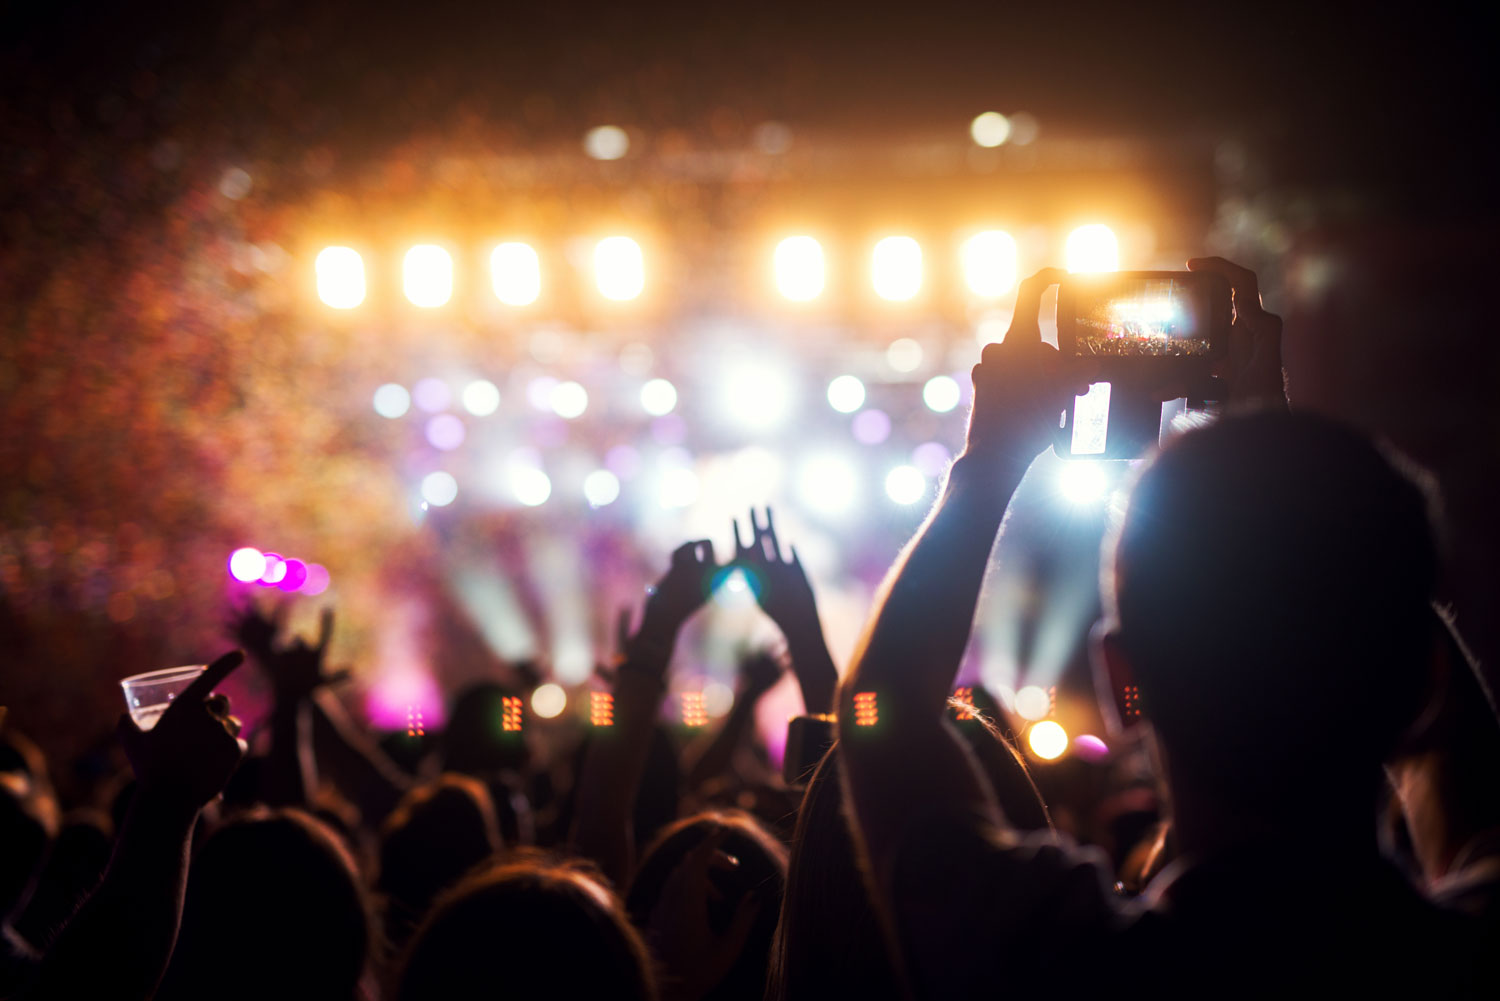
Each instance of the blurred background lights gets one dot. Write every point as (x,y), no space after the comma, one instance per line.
(481,397)
(846,394)
(941,394)
(318,579)
(718,698)
(549,700)
(679,487)
(293,576)
(431,395)
(530,485)
(931,458)
(904,355)
(1083,481)
(392,400)
(341,277)
(445,432)
(569,399)
(275,571)
(1090,748)
(1092,248)
(1048,740)
(427,276)
(989,263)
(619,268)
(247,564)
(601,488)
(439,489)
(757,396)
(516,274)
(798,264)
(871,427)
(896,268)
(905,485)
(1033,703)
(990,129)
(1024,128)
(827,484)
(658,397)
(607,142)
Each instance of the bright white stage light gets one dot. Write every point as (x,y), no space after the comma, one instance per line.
(846,394)
(990,129)
(1033,703)
(798,263)
(1048,739)
(904,355)
(905,485)
(607,142)
(392,400)
(530,485)
(247,564)
(1092,248)
(601,488)
(549,700)
(439,489)
(828,483)
(427,276)
(658,397)
(989,260)
(679,487)
(941,394)
(619,268)
(757,396)
(341,277)
(569,399)
(896,268)
(516,274)
(481,397)
(1082,481)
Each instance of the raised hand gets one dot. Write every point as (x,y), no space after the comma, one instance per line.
(681,591)
(295,669)
(193,749)
(759,673)
(780,585)
(1253,369)
(255,630)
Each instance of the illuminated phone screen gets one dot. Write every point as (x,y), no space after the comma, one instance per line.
(1141,317)
(1091,420)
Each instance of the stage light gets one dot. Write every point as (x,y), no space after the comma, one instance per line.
(990,129)
(1092,248)
(693,713)
(341,277)
(510,713)
(718,698)
(905,485)
(989,261)
(1024,128)
(904,355)
(247,565)
(871,427)
(439,489)
(431,395)
(516,274)
(828,484)
(798,264)
(1090,748)
(427,276)
(569,400)
(658,397)
(481,397)
(275,571)
(392,400)
(601,709)
(896,268)
(601,488)
(866,709)
(445,432)
(846,394)
(293,576)
(607,142)
(679,487)
(619,268)
(1048,740)
(1082,481)
(757,396)
(941,394)
(530,485)
(318,579)
(549,700)
(1033,703)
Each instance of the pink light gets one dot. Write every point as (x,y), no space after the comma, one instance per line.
(294,576)
(393,696)
(1090,748)
(246,564)
(432,394)
(275,570)
(445,432)
(871,427)
(317,579)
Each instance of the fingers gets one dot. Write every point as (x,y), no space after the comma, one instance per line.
(1242,280)
(325,630)
(685,553)
(705,552)
(770,536)
(741,549)
(203,685)
(1025,323)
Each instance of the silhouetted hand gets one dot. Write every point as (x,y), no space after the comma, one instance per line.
(1253,369)
(255,630)
(680,592)
(294,669)
(759,673)
(780,585)
(194,748)
(696,957)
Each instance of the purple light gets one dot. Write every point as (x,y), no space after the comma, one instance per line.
(1090,748)
(317,579)
(871,427)
(623,460)
(445,432)
(539,392)
(247,564)
(669,430)
(432,395)
(275,570)
(931,458)
(391,698)
(294,576)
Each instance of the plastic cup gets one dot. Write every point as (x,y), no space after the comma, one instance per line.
(148,695)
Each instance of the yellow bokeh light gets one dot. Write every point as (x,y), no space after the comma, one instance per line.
(619,268)
(427,276)
(516,273)
(1048,740)
(896,268)
(549,700)
(1092,248)
(989,129)
(989,260)
(341,277)
(799,268)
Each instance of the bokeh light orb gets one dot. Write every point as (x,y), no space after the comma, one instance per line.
(658,397)
(828,484)
(904,355)
(679,488)
(1048,740)
(846,394)
(1092,248)
(530,485)
(340,273)
(718,698)
(439,489)
(431,395)
(445,432)
(549,700)
(1083,482)
(293,576)
(757,396)
(606,142)
(619,268)
(427,276)
(1033,702)
(275,571)
(990,263)
(941,394)
(798,264)
(896,268)
(392,401)
(1090,748)
(569,399)
(601,488)
(318,579)
(871,427)
(247,565)
(481,397)
(989,129)
(515,274)
(905,485)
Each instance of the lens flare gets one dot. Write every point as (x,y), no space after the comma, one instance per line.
(1083,481)
(798,263)
(1048,740)
(1092,248)
(427,276)
(896,268)
(905,485)
(341,277)
(516,274)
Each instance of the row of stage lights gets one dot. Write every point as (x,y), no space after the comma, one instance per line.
(988,259)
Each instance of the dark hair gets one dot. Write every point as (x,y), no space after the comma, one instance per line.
(829,942)
(761,870)
(1273,567)
(527,929)
(274,908)
(436,834)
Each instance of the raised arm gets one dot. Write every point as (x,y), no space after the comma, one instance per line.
(712,754)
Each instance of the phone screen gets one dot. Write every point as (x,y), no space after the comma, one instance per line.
(1091,420)
(1141,317)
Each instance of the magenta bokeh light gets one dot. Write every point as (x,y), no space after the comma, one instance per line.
(293,576)
(275,570)
(445,432)
(317,580)
(1090,748)
(871,427)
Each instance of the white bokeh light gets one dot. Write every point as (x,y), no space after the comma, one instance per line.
(828,484)
(990,263)
(989,129)
(1048,740)
(619,268)
(530,485)
(798,263)
(341,277)
(481,397)
(904,355)
(896,268)
(392,400)
(549,700)
(1033,702)
(569,399)
(1092,248)
(439,489)
(601,488)
(846,394)
(679,487)
(658,397)
(427,276)
(905,485)
(1083,481)
(757,396)
(607,142)
(515,274)
(941,394)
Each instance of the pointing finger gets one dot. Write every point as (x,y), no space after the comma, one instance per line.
(204,685)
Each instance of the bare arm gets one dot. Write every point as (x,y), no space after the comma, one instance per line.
(711,755)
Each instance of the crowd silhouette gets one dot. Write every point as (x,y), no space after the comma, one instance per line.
(1326,814)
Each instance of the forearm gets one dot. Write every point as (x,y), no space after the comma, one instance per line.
(290,775)
(358,767)
(813,665)
(710,757)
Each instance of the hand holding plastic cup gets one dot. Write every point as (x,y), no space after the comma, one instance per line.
(148,695)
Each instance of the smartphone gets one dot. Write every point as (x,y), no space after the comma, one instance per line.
(1127,319)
